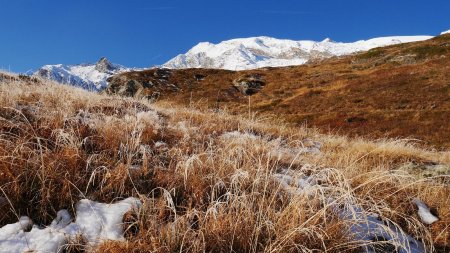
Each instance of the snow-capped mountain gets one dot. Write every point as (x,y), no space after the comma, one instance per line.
(86,76)
(257,52)
(446,32)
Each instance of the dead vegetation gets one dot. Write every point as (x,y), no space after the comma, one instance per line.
(208,181)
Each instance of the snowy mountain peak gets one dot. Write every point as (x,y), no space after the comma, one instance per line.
(257,52)
(86,76)
(103,65)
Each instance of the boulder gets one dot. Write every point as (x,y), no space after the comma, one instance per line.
(124,87)
(249,84)
(199,77)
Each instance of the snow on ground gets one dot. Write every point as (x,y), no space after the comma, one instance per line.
(424,212)
(258,52)
(366,227)
(94,221)
(446,32)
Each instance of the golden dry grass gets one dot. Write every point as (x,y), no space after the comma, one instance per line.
(206,178)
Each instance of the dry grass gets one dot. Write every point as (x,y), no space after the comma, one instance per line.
(206,179)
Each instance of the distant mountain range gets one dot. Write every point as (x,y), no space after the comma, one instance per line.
(86,76)
(236,54)
(258,52)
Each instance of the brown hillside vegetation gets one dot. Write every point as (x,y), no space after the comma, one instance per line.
(396,91)
(213,182)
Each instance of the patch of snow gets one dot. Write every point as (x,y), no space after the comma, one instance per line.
(94,221)
(424,212)
(370,228)
(100,221)
(446,32)
(367,228)
(258,52)
(13,238)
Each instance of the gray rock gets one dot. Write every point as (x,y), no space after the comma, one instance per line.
(163,74)
(199,77)
(427,170)
(249,84)
(103,65)
(124,87)
(405,59)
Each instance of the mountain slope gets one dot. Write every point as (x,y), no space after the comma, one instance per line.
(396,91)
(87,76)
(257,52)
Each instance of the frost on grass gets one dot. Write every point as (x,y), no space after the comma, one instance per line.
(278,147)
(95,222)
(367,229)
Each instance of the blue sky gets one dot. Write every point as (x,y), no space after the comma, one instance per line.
(140,33)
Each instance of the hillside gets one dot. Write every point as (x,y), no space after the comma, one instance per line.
(395,91)
(82,171)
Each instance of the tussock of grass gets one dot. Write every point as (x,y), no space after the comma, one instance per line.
(206,179)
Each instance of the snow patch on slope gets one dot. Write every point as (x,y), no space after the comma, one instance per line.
(95,222)
(424,212)
(446,32)
(257,52)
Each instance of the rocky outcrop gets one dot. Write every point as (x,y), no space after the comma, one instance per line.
(405,59)
(148,86)
(124,87)
(249,84)
(199,77)
(162,74)
(105,66)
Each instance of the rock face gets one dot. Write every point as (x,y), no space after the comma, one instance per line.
(405,59)
(162,74)
(149,86)
(103,65)
(249,84)
(125,87)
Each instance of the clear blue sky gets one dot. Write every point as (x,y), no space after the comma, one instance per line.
(140,33)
